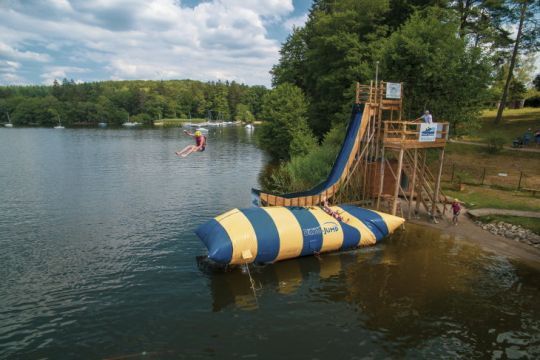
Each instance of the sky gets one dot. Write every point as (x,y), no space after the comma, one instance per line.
(94,40)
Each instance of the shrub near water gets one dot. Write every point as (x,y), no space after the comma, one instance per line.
(305,171)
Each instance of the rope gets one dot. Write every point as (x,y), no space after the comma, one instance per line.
(252,284)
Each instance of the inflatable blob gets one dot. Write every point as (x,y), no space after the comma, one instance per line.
(265,235)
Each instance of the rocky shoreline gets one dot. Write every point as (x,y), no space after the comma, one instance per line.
(514,232)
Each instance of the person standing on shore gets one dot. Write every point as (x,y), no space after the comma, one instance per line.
(456,210)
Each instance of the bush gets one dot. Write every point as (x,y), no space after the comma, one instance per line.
(304,171)
(495,144)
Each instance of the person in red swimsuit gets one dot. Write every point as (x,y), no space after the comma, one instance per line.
(200,144)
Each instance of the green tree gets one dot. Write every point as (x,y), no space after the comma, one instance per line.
(243,113)
(220,105)
(292,60)
(285,131)
(337,47)
(439,71)
(253,98)
(527,40)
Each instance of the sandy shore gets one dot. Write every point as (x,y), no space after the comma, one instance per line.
(468,231)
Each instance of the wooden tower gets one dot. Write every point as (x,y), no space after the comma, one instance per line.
(392,161)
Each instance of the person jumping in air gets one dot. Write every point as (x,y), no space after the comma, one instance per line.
(200,144)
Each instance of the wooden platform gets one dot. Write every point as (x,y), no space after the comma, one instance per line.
(406,135)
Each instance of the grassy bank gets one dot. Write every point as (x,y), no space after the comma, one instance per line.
(515,122)
(476,197)
(473,164)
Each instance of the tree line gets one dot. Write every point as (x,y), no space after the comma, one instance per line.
(143,101)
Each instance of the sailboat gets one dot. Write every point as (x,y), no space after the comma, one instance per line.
(129,123)
(9,124)
(59,126)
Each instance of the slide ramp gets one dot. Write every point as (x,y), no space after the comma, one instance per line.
(340,170)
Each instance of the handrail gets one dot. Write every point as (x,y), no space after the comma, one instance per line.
(410,130)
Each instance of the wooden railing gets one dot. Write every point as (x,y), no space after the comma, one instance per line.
(408,133)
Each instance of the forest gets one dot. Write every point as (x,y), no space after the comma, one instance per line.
(87,104)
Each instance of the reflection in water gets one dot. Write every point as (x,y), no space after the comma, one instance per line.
(426,293)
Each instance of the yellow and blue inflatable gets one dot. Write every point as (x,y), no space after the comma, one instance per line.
(265,235)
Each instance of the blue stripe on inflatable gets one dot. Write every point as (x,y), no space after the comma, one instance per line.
(351,236)
(216,239)
(267,234)
(311,230)
(373,221)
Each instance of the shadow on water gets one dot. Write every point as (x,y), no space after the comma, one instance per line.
(422,292)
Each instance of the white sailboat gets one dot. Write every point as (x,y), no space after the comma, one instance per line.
(9,124)
(59,126)
(129,123)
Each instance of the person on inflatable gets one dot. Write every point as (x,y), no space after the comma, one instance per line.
(336,215)
(200,144)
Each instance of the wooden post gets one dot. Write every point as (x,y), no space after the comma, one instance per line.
(483,176)
(422,176)
(398,180)
(519,183)
(437,185)
(413,181)
(381,178)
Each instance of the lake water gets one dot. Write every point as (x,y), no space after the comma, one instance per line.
(98,260)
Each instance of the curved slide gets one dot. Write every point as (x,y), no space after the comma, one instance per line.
(340,170)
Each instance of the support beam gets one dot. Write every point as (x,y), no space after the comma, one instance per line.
(398,180)
(421,180)
(437,184)
(381,179)
(413,182)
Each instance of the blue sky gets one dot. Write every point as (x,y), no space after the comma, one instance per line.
(92,40)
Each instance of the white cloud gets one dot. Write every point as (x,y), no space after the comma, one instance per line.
(60,72)
(9,52)
(298,21)
(12,79)
(8,66)
(139,39)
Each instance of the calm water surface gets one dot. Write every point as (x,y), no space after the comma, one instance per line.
(98,260)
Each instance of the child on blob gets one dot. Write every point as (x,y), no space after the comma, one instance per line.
(456,210)
(329,211)
(200,144)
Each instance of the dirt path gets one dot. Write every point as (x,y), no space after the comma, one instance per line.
(469,231)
